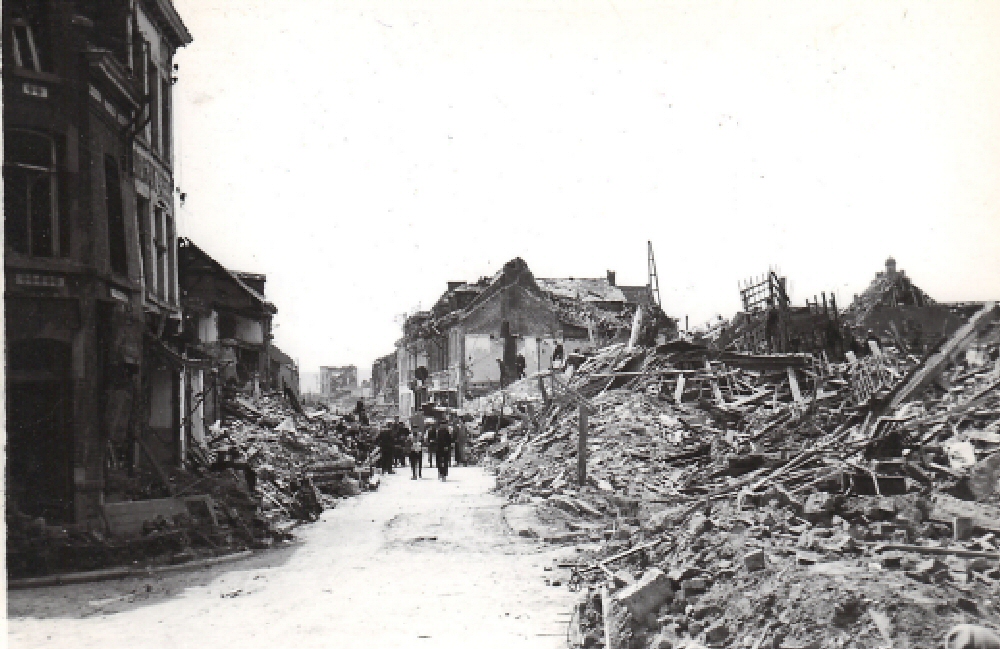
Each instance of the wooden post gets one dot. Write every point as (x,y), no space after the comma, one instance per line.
(581,454)
(679,390)
(793,383)
(608,618)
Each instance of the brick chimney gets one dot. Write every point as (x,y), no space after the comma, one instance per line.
(890,267)
(611,278)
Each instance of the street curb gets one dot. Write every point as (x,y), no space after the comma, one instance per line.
(119,573)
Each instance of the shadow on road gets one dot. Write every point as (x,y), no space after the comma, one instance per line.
(121,595)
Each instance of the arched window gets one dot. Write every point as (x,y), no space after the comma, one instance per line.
(31,219)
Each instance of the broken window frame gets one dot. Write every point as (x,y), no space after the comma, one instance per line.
(143,212)
(28,38)
(171,266)
(160,246)
(32,174)
(115,206)
(153,101)
(165,118)
(147,65)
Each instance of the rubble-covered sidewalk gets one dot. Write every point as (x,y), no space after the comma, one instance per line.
(767,500)
(265,468)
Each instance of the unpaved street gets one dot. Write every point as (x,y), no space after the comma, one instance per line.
(418,563)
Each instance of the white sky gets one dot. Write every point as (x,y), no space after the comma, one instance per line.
(362,154)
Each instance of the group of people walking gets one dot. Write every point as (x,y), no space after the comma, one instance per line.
(397,444)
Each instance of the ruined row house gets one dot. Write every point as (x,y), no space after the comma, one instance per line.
(482,335)
(110,349)
(90,244)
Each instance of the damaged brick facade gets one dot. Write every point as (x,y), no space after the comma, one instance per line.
(87,149)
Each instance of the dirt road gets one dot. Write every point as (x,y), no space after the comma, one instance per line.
(416,564)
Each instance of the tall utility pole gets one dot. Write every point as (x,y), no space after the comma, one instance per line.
(654,279)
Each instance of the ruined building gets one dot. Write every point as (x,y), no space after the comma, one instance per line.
(336,381)
(385,381)
(770,324)
(227,337)
(895,310)
(90,246)
(479,336)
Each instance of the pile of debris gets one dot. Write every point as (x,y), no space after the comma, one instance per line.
(299,462)
(264,468)
(769,500)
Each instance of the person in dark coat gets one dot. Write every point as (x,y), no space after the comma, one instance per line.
(415,442)
(385,445)
(431,446)
(443,451)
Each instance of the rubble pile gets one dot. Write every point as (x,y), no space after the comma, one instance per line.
(770,500)
(301,462)
(262,470)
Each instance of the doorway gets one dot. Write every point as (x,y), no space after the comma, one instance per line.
(39,429)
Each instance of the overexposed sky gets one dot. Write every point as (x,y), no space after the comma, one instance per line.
(363,153)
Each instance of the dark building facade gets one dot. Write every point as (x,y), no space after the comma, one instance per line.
(85,314)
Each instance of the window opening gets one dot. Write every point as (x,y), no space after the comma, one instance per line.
(160,243)
(30,194)
(116,216)
(25,51)
(165,117)
(145,242)
(154,108)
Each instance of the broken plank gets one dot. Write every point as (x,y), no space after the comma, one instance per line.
(933,366)
(793,383)
(937,550)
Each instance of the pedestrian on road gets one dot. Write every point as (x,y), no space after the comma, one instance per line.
(443,452)
(401,441)
(416,455)
(431,446)
(385,445)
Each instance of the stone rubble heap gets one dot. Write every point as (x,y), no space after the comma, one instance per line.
(264,468)
(778,501)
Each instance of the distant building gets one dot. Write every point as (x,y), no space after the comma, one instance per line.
(896,310)
(770,324)
(336,381)
(385,380)
(284,371)
(227,324)
(483,335)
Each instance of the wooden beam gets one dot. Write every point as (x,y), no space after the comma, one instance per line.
(679,390)
(581,455)
(937,363)
(610,633)
(541,388)
(794,385)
